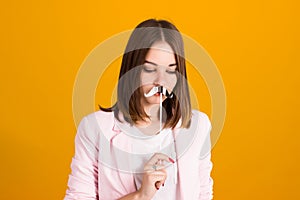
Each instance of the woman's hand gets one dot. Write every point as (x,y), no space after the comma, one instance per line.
(154,175)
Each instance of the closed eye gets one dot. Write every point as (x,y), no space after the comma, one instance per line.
(149,70)
(171,72)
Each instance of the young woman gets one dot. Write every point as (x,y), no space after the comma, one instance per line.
(150,144)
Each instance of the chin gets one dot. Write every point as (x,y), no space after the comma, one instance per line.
(154,100)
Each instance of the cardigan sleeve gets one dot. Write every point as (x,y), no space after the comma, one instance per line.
(83,180)
(205,167)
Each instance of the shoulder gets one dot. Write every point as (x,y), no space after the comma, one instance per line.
(97,120)
(200,117)
(99,114)
(93,125)
(203,127)
(102,116)
(201,124)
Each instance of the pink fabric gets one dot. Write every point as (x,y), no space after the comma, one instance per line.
(93,179)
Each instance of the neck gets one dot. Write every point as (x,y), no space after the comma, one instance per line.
(150,126)
(153,112)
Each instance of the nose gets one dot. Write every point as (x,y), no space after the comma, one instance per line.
(160,78)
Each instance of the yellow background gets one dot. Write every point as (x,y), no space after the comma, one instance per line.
(255,45)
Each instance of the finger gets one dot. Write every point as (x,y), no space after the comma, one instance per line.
(159,167)
(159,157)
(158,178)
(156,167)
(158,184)
(154,179)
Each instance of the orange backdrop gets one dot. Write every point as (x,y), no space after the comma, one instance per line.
(254,44)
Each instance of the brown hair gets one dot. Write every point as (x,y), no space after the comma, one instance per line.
(142,38)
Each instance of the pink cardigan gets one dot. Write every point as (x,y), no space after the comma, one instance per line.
(93,176)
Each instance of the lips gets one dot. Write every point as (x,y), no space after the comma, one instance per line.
(155,91)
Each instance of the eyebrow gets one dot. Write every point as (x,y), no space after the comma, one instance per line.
(152,63)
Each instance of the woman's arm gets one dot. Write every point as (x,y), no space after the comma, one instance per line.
(206,182)
(83,180)
(134,196)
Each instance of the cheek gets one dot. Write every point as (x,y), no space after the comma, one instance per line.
(146,79)
(171,81)
(146,88)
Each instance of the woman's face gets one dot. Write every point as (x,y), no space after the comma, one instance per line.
(159,70)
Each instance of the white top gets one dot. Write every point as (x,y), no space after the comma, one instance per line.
(146,146)
(162,143)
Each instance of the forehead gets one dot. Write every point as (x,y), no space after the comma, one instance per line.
(161,53)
